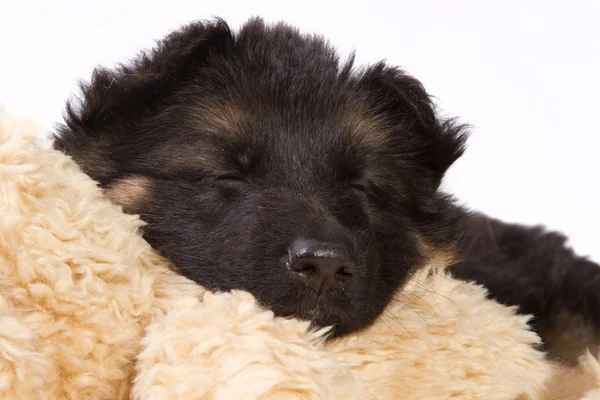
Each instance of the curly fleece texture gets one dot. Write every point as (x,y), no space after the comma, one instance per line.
(89,311)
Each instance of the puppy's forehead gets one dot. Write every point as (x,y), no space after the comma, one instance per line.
(226,118)
(219,133)
(238,122)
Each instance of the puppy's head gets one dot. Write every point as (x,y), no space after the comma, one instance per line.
(261,162)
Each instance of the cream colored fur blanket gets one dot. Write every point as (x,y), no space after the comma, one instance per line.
(89,311)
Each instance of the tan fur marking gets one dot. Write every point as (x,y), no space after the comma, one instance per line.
(438,258)
(571,338)
(221,117)
(367,130)
(128,192)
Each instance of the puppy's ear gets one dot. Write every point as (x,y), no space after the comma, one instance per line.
(116,103)
(429,142)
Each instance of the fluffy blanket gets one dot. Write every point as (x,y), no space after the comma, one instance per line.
(89,311)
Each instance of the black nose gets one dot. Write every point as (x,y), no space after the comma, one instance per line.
(325,266)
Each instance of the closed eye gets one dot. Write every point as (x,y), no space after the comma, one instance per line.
(361,187)
(230,178)
(367,189)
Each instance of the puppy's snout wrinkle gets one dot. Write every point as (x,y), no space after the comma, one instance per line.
(325,267)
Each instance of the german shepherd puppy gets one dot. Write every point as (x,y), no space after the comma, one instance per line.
(261,161)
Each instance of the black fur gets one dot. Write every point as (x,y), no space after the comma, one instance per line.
(251,140)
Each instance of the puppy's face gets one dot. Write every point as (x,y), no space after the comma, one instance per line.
(261,163)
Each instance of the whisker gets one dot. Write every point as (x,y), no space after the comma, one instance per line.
(413,309)
(379,318)
(406,293)
(393,317)
(432,293)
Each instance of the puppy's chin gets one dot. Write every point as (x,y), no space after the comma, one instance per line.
(329,310)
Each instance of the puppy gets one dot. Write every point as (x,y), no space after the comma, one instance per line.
(261,161)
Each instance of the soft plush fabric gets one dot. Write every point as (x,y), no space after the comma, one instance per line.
(89,311)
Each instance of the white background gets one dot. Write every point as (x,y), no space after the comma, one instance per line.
(525,74)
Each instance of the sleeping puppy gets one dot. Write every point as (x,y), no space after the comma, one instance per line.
(261,161)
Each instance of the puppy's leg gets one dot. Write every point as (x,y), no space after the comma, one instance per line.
(535,270)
